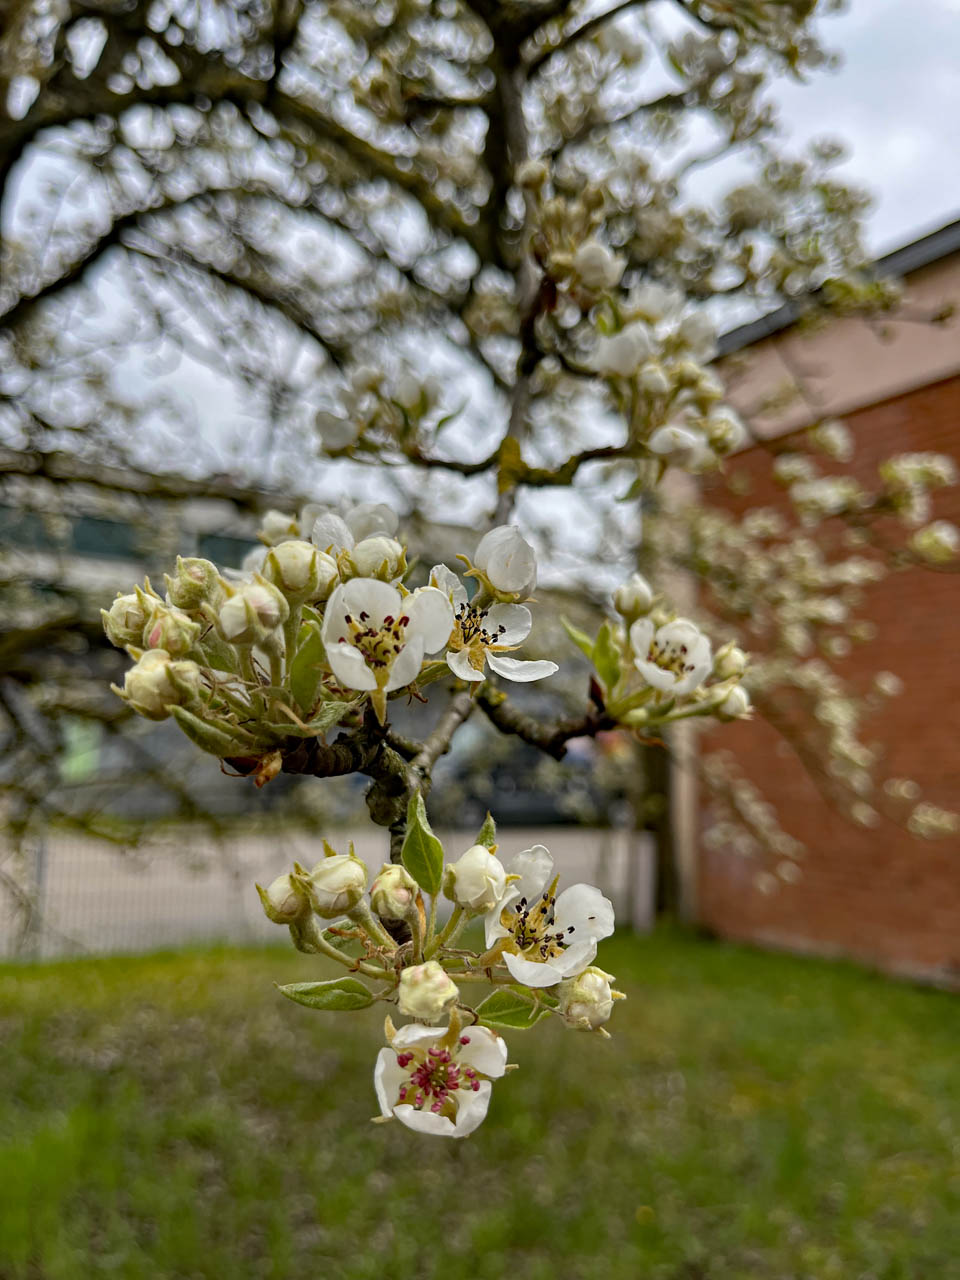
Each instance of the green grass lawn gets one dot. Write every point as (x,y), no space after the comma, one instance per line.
(755,1116)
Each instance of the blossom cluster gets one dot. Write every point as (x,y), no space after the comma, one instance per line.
(655,667)
(317,624)
(539,945)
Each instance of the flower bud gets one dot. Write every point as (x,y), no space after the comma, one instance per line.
(735,706)
(699,335)
(172,630)
(938,543)
(335,432)
(633,598)
(277,526)
(586,1002)
(654,302)
(426,992)
(157,683)
(283,901)
(125,620)
(476,881)
(253,613)
(507,562)
(196,582)
(531,175)
(654,379)
(730,661)
(300,571)
(377,557)
(596,267)
(393,895)
(336,884)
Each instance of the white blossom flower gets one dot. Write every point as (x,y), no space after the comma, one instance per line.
(481,636)
(426,991)
(597,267)
(375,638)
(507,561)
(654,302)
(476,881)
(725,430)
(681,447)
(939,543)
(548,938)
(699,335)
(674,658)
(436,1082)
(623,353)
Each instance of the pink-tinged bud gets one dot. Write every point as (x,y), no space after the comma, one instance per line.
(393,895)
(124,621)
(336,884)
(196,582)
(156,683)
(172,630)
(253,614)
(426,992)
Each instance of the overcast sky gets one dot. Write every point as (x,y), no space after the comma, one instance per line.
(896,102)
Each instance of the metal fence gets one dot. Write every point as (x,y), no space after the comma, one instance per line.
(88,897)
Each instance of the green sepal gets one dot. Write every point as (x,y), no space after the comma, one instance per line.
(606,659)
(338,996)
(307,667)
(422,852)
(510,1010)
(579,638)
(487,835)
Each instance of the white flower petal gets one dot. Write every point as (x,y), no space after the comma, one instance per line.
(330,533)
(472,1109)
(414,1034)
(446,580)
(349,667)
(535,868)
(431,617)
(493,930)
(656,677)
(368,519)
(486,1052)
(516,620)
(458,660)
(532,973)
(507,559)
(522,672)
(426,1121)
(406,665)
(576,958)
(378,600)
(584,907)
(387,1079)
(641,633)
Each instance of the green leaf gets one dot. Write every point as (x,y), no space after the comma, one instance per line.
(606,658)
(422,852)
(510,1010)
(328,714)
(338,996)
(488,833)
(306,669)
(218,740)
(579,638)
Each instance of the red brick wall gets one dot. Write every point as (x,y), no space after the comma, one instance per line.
(878,894)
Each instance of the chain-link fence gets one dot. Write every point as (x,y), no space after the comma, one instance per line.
(82,896)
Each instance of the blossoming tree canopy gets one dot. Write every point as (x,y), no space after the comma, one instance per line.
(457,244)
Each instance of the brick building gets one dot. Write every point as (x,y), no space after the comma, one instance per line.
(878,893)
